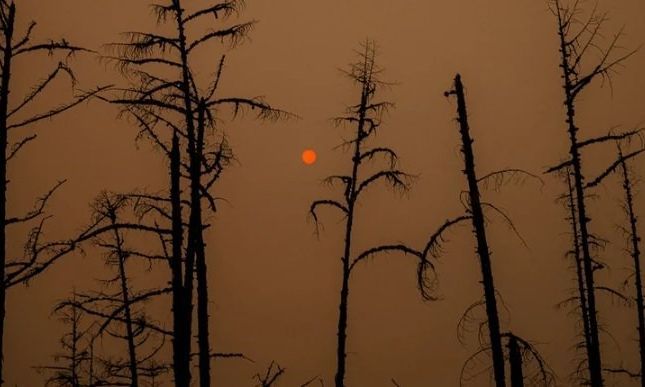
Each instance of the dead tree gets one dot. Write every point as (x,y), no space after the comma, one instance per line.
(16,47)
(634,238)
(577,40)
(479,230)
(515,360)
(364,119)
(475,207)
(119,314)
(70,369)
(177,114)
(621,167)
(270,376)
(580,298)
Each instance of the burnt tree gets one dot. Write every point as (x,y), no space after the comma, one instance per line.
(578,38)
(117,309)
(17,115)
(364,119)
(475,206)
(176,111)
(479,230)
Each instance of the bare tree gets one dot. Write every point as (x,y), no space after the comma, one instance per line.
(621,167)
(634,250)
(475,211)
(270,376)
(16,115)
(577,41)
(479,230)
(119,313)
(176,113)
(364,118)
(71,369)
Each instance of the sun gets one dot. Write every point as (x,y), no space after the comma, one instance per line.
(309,156)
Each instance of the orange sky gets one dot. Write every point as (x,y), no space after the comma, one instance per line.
(274,284)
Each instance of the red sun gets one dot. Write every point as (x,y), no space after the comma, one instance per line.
(309,156)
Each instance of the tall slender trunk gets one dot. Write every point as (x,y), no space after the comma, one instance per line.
(341,348)
(635,252)
(582,298)
(181,337)
(127,313)
(75,339)
(183,299)
(194,165)
(350,197)
(515,360)
(90,376)
(4,103)
(593,349)
(479,230)
(202,279)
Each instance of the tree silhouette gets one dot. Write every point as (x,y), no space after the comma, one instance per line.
(634,238)
(475,212)
(72,367)
(621,167)
(175,113)
(365,118)
(577,39)
(479,230)
(16,115)
(119,314)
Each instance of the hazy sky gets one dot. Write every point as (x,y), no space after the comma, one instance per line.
(274,285)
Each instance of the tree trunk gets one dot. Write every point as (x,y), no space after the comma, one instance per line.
(350,198)
(127,314)
(181,337)
(194,192)
(342,327)
(202,279)
(578,262)
(593,349)
(635,252)
(4,103)
(515,359)
(479,230)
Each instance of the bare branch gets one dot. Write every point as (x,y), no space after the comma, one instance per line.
(234,35)
(395,178)
(17,146)
(385,249)
(38,208)
(42,85)
(60,109)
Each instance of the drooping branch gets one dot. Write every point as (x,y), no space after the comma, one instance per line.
(59,109)
(384,249)
(39,208)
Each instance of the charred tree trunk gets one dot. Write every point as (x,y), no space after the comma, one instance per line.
(363,119)
(127,314)
(200,253)
(578,262)
(346,260)
(479,230)
(181,338)
(570,91)
(341,348)
(515,360)
(635,252)
(4,103)
(74,348)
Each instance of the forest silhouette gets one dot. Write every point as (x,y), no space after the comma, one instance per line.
(481,229)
